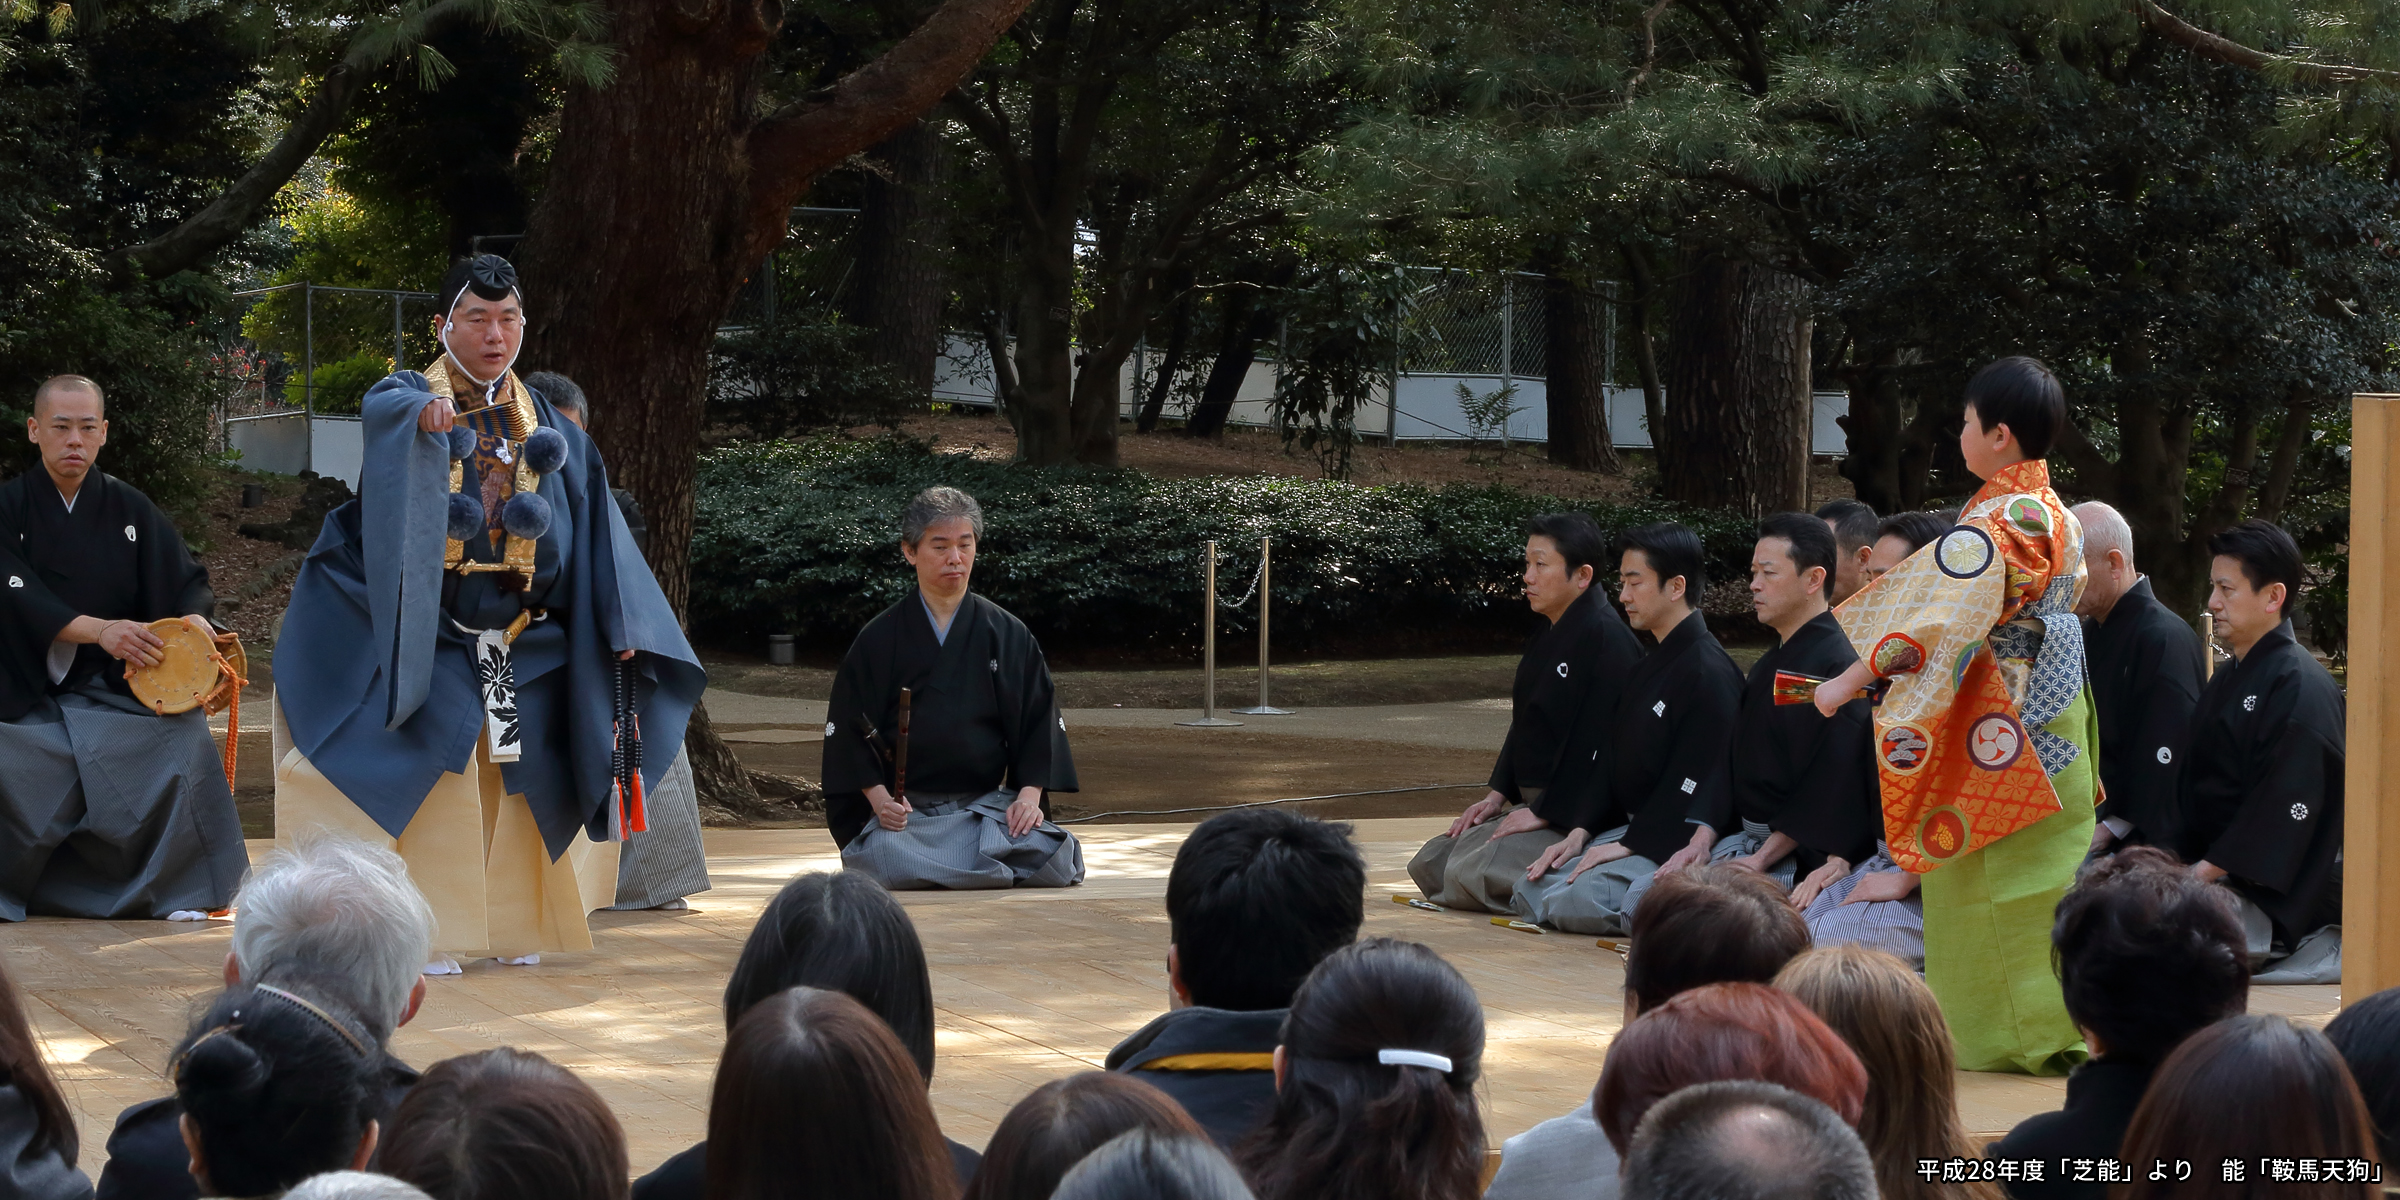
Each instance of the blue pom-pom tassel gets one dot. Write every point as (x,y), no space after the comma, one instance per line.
(546,450)
(466,516)
(462,441)
(526,515)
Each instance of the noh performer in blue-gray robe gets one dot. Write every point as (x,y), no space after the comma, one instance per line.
(461,640)
(107,809)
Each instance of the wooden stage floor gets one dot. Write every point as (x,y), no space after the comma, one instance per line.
(1030,986)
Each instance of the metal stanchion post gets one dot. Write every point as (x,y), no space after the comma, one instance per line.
(1265,585)
(1208,649)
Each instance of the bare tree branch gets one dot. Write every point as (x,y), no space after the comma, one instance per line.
(2225,50)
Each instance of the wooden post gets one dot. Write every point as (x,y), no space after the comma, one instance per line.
(2371,798)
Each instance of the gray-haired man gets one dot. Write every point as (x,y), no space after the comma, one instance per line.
(339,911)
(983,741)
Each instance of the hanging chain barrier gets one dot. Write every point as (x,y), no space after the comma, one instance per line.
(1256,574)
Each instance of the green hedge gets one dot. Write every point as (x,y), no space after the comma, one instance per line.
(802,537)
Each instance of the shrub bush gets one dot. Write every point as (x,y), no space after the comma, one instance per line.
(802,537)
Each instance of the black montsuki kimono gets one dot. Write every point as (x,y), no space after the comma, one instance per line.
(983,714)
(1806,776)
(107,810)
(2146,676)
(1561,738)
(1674,722)
(2261,787)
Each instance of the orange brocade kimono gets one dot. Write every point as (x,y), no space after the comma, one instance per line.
(1986,747)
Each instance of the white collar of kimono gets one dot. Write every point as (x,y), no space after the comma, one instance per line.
(492,385)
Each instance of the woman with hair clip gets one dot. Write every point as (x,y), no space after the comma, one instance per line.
(816,1100)
(277,1084)
(37,1133)
(1890,1019)
(1375,1083)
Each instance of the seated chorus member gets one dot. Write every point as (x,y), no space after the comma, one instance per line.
(1794,797)
(1877,904)
(986,744)
(116,812)
(1256,899)
(2146,676)
(1554,764)
(1901,535)
(1854,532)
(2261,788)
(1673,720)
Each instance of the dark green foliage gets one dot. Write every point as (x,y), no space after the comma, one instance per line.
(341,384)
(804,537)
(802,374)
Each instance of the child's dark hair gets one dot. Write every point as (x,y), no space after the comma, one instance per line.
(281,1082)
(1257,898)
(2021,393)
(1347,1123)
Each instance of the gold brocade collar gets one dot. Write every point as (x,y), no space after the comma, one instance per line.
(2030,476)
(516,407)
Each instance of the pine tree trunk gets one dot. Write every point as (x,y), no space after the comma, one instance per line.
(1737,419)
(1873,433)
(1162,377)
(1044,356)
(901,289)
(1575,329)
(1245,324)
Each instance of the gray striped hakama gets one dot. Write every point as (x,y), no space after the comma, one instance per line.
(1896,927)
(666,862)
(962,843)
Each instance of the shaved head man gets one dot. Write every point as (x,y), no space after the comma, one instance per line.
(2146,676)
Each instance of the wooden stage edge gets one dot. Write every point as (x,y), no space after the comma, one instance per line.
(1029,986)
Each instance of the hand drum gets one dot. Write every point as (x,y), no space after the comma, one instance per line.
(193,671)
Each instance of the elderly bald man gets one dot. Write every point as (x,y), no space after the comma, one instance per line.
(2146,677)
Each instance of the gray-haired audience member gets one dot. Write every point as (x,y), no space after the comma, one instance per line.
(344,914)
(1746,1141)
(1144,1164)
(354,1185)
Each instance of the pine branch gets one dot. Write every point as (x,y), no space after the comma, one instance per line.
(2225,50)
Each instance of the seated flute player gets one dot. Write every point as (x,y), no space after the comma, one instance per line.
(1794,797)
(1877,904)
(1555,762)
(952,790)
(114,811)
(1672,723)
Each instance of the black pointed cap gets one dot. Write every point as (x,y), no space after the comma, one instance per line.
(487,275)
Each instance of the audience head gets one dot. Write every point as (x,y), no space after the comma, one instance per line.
(354,1185)
(2368,1036)
(2146,955)
(2248,1088)
(1257,898)
(1063,1121)
(2253,580)
(1724,1031)
(1708,924)
(276,1084)
(1149,1164)
(842,932)
(345,914)
(2107,558)
(22,1067)
(1853,524)
(1791,571)
(1884,1012)
(814,1097)
(1562,556)
(506,1124)
(1661,573)
(564,394)
(1375,1082)
(1746,1141)
(1901,535)
(2015,411)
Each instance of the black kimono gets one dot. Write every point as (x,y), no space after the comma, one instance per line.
(1561,737)
(1793,771)
(107,810)
(1674,723)
(983,714)
(2261,787)
(2146,676)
